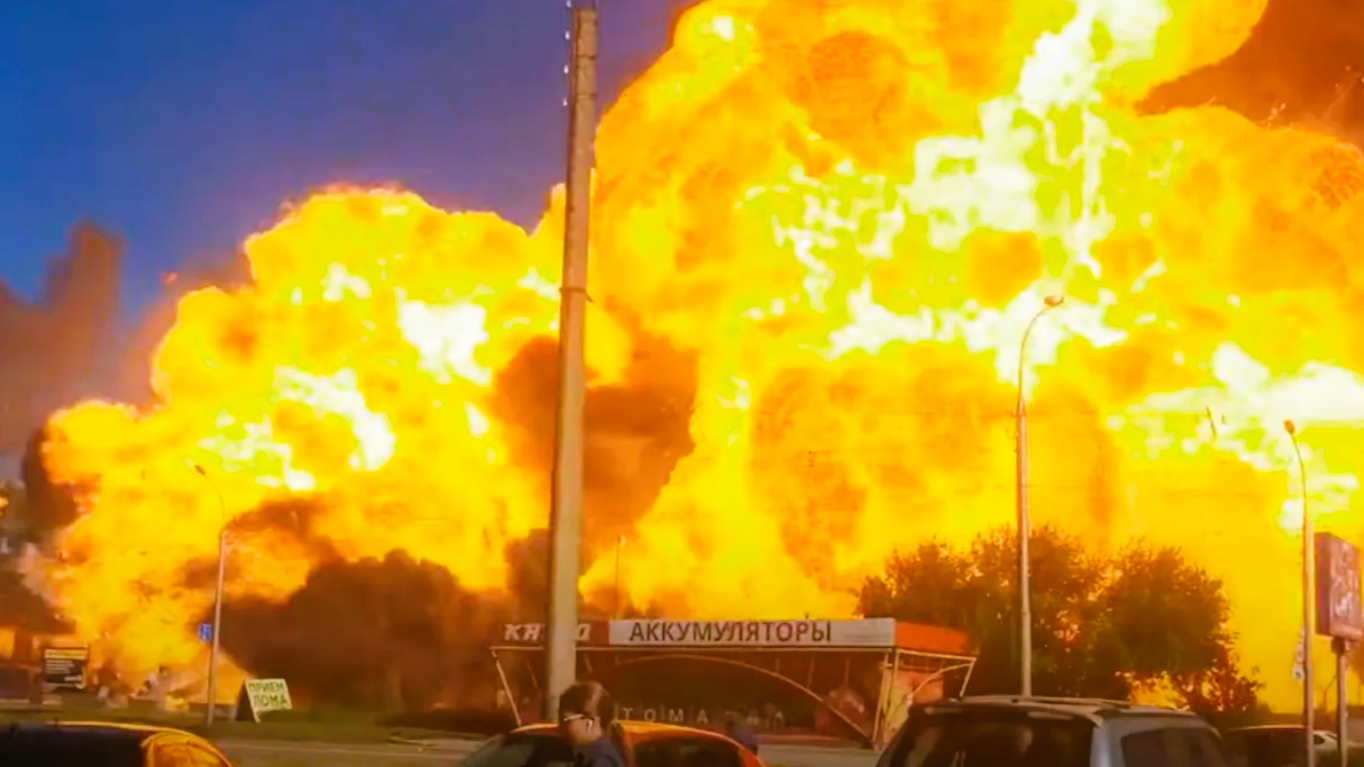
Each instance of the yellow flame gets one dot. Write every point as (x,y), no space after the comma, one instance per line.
(844,215)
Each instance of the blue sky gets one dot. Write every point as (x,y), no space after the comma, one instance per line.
(181,126)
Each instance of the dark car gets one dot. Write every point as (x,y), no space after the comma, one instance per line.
(104,744)
(642,744)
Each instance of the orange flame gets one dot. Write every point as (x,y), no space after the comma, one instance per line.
(847,213)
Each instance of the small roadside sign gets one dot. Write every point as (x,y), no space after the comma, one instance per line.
(261,696)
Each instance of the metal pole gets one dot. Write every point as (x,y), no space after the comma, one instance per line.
(566,512)
(1024,528)
(217,623)
(1342,704)
(211,701)
(1308,602)
(620,544)
(889,673)
(506,688)
(936,675)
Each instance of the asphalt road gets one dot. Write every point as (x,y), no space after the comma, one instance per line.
(265,753)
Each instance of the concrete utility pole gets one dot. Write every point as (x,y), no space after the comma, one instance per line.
(565,522)
(1308,607)
(1021,489)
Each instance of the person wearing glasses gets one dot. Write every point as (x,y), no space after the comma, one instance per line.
(587,713)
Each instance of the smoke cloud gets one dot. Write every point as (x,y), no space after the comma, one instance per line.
(48,349)
(1302,63)
(394,632)
(634,432)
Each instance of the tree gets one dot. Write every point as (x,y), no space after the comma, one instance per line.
(1102,625)
(1220,688)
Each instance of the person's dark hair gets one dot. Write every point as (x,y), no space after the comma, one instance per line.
(589,699)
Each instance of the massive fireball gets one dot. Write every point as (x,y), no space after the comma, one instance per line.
(835,218)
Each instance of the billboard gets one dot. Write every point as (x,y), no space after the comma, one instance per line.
(1339,613)
(64,667)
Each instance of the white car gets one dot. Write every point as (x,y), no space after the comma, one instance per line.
(1276,745)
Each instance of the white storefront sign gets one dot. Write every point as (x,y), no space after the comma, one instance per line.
(873,632)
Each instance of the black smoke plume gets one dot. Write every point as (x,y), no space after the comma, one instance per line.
(1301,64)
(635,430)
(395,633)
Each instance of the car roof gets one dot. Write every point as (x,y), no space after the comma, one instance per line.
(1096,709)
(111,731)
(42,745)
(1276,728)
(93,734)
(643,730)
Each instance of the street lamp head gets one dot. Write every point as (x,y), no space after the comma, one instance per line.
(1054,300)
(1290,428)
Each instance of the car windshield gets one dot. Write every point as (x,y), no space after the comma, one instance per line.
(522,749)
(993,737)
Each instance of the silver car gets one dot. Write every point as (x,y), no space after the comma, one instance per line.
(1012,731)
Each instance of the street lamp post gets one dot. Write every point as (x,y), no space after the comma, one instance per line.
(1021,478)
(212,699)
(1308,599)
(1341,647)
